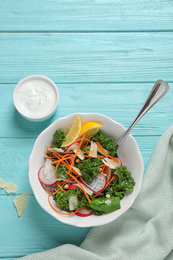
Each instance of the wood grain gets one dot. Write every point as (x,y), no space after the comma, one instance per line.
(121,102)
(34,231)
(91,57)
(104,56)
(81,15)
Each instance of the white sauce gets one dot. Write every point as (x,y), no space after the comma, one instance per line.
(36,97)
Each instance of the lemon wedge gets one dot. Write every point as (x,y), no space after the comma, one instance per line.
(90,128)
(73,133)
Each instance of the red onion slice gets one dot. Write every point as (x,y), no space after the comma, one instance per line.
(120,162)
(72,146)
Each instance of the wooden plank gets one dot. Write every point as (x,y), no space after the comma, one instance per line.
(34,231)
(121,102)
(91,57)
(81,15)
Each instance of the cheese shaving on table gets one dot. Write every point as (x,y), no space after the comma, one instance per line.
(20,202)
(9,187)
(2,183)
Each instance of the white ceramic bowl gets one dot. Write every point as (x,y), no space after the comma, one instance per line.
(36,98)
(128,152)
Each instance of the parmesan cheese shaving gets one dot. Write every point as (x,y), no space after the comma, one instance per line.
(110,163)
(77,170)
(2,183)
(20,202)
(9,187)
(55,149)
(93,150)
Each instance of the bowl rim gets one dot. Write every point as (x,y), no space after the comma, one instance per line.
(49,113)
(67,220)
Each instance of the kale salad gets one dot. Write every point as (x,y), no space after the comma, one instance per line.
(83,172)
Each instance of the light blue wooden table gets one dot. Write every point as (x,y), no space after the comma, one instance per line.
(104,56)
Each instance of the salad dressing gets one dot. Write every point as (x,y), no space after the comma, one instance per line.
(35,97)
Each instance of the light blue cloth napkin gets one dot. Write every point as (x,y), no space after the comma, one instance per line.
(145,231)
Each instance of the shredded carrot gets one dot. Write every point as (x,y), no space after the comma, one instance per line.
(56,191)
(94,196)
(49,157)
(56,167)
(108,155)
(100,156)
(67,214)
(67,165)
(113,177)
(61,188)
(71,169)
(85,139)
(86,144)
(73,175)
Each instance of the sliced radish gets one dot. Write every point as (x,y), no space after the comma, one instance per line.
(97,185)
(49,187)
(84,213)
(93,150)
(72,187)
(108,173)
(110,163)
(73,148)
(46,173)
(50,181)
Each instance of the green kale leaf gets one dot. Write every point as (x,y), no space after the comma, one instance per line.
(86,149)
(107,143)
(59,137)
(63,198)
(124,181)
(61,171)
(89,168)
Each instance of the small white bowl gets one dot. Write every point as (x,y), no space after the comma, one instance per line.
(128,152)
(36,98)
